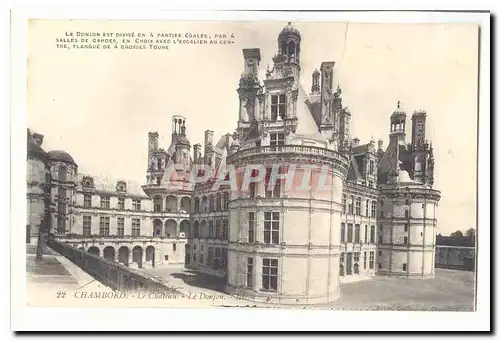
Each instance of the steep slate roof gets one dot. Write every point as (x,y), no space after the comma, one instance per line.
(306,123)
(107,184)
(353,173)
(361,149)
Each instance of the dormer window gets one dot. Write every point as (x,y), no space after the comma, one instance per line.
(278,107)
(121,186)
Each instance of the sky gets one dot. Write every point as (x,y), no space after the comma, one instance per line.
(99,105)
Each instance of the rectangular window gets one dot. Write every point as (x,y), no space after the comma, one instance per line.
(358,206)
(121,227)
(136,227)
(405,241)
(174,247)
(275,192)
(372,259)
(372,234)
(87,201)
(104,202)
(276,140)
(364,260)
(278,107)
(104,226)
(249,272)
(270,274)
(225,229)
(251,227)
(349,233)
(87,225)
(121,204)
(226,200)
(218,231)
(218,203)
(344,202)
(271,227)
(407,214)
(406,227)
(366,234)
(380,265)
(211,232)
(370,184)
(367,208)
(356,233)
(342,232)
(380,241)
(210,256)
(136,204)
(351,205)
(404,266)
(252,187)
(380,253)
(374,208)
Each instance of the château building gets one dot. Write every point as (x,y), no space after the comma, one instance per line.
(270,241)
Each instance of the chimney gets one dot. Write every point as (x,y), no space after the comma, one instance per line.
(209,136)
(197,153)
(315,88)
(380,145)
(38,138)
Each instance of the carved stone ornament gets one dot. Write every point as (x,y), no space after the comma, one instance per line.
(88,182)
(121,186)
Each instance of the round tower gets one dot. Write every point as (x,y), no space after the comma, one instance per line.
(407,229)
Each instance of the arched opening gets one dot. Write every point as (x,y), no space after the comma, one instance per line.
(171,204)
(203,229)
(123,255)
(196,205)
(185,205)
(94,250)
(184,229)
(150,255)
(196,229)
(356,269)
(157,227)
(204,205)
(63,173)
(171,228)
(158,203)
(137,256)
(109,253)
(341,270)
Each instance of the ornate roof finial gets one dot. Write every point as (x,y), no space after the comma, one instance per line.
(399,104)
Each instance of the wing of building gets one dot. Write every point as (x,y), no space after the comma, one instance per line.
(303,206)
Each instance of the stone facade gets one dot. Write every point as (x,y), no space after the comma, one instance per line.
(375,213)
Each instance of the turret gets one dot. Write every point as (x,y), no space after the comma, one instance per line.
(315,88)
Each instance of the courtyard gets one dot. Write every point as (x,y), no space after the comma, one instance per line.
(449,290)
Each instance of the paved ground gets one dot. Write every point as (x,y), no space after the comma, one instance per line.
(54,280)
(449,290)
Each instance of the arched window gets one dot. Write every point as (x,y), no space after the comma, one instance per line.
(196,205)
